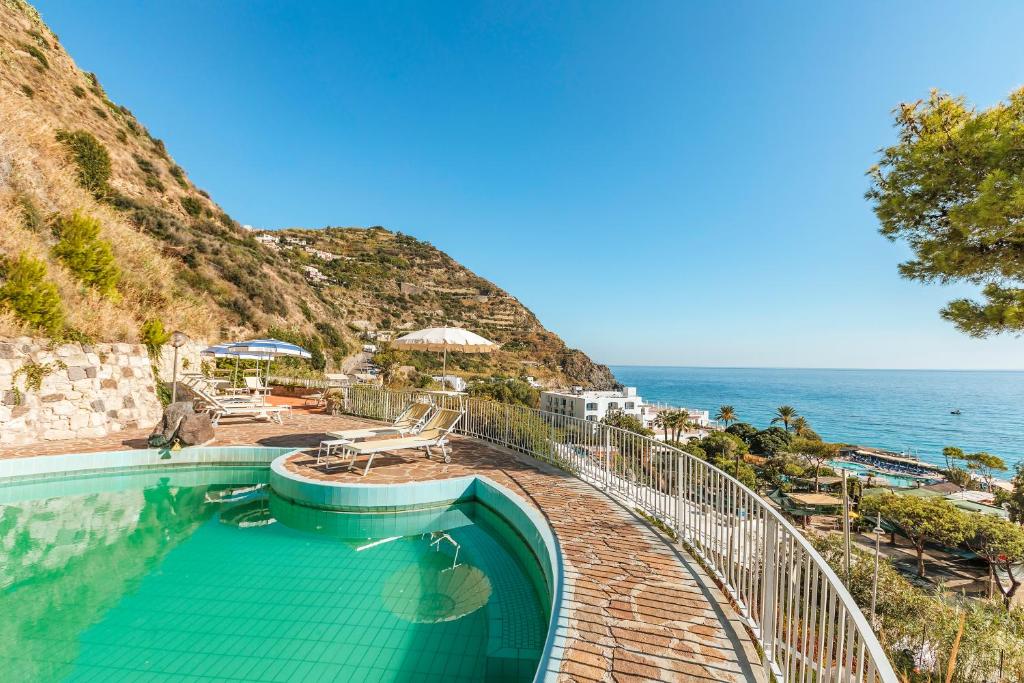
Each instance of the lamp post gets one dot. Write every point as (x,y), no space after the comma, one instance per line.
(178,339)
(877,531)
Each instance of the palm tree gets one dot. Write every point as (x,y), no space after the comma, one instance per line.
(785,415)
(726,414)
(801,427)
(661,420)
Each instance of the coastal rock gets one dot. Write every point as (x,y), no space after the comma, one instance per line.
(591,375)
(181,424)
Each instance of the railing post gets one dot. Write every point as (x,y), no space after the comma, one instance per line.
(680,504)
(768,588)
(607,459)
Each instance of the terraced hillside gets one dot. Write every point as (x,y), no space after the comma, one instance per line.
(101,231)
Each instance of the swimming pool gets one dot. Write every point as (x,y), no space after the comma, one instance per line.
(188,572)
(862,471)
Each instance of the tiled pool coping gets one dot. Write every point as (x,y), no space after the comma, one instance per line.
(525,519)
(41,466)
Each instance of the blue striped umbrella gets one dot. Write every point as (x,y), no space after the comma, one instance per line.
(270,347)
(225,351)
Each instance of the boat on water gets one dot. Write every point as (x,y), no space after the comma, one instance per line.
(955,411)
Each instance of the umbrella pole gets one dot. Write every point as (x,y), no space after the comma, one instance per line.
(444,370)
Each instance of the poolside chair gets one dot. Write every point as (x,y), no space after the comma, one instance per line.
(411,420)
(255,386)
(219,406)
(434,434)
(408,422)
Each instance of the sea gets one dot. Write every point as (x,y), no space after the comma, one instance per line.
(899,410)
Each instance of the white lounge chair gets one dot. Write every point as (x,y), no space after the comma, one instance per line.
(255,386)
(434,434)
(219,406)
(411,420)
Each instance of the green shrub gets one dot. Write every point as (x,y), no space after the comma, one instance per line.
(27,293)
(29,92)
(193,207)
(79,91)
(99,112)
(153,336)
(31,216)
(154,183)
(85,254)
(91,158)
(179,176)
(44,63)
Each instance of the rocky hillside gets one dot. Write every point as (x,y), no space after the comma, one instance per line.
(102,233)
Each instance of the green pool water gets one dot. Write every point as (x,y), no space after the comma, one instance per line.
(202,575)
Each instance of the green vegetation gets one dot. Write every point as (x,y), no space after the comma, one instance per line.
(626,422)
(193,207)
(29,92)
(786,415)
(36,53)
(84,253)
(30,296)
(726,415)
(79,91)
(769,441)
(179,176)
(814,451)
(1001,544)
(951,188)
(90,157)
(908,619)
(31,216)
(153,336)
(921,520)
(505,390)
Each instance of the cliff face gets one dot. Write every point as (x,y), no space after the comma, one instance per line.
(67,149)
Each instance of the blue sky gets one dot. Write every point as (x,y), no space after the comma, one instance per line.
(661,183)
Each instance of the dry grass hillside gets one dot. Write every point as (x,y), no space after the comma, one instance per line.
(101,231)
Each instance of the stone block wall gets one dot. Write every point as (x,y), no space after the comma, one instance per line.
(87,390)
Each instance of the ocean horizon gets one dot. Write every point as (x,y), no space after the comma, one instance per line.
(905,410)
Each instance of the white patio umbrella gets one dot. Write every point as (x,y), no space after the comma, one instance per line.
(444,339)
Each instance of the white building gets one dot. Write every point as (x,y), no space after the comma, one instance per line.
(313,274)
(268,240)
(701,418)
(592,405)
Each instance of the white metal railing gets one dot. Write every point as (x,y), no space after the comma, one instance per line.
(796,607)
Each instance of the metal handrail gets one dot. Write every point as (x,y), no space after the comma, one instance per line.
(795,606)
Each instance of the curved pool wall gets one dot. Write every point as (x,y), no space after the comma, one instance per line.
(415,497)
(90,463)
(331,496)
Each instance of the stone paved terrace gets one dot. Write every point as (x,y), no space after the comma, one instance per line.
(640,610)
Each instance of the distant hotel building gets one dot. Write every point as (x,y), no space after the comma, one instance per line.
(592,405)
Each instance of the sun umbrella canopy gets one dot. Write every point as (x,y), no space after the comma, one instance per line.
(225,351)
(444,339)
(270,348)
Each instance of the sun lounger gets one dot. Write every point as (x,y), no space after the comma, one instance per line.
(255,386)
(412,419)
(434,434)
(219,406)
(409,422)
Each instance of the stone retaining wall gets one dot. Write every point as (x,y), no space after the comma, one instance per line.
(86,391)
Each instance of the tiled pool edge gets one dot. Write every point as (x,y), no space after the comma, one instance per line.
(524,518)
(70,464)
